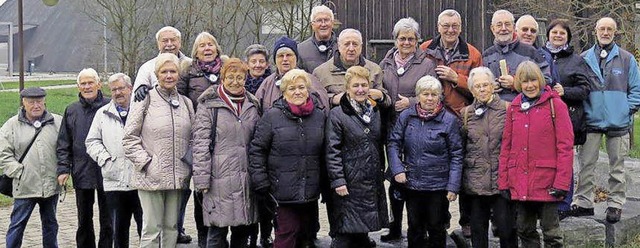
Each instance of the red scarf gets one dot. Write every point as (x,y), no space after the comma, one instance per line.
(302,110)
(233,101)
(426,114)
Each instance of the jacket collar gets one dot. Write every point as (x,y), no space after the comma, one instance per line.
(414,113)
(545,96)
(46,117)
(346,106)
(418,57)
(96,103)
(494,104)
(111,111)
(461,54)
(211,99)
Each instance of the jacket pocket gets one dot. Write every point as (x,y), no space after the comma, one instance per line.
(512,170)
(110,170)
(544,174)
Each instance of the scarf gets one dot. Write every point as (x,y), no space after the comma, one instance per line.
(232,100)
(252,84)
(212,67)
(362,109)
(427,115)
(552,49)
(400,63)
(532,100)
(302,110)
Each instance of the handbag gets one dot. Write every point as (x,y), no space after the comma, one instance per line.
(6,183)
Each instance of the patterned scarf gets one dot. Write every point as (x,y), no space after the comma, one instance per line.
(232,100)
(252,84)
(400,63)
(212,67)
(363,109)
(427,115)
(302,110)
(553,49)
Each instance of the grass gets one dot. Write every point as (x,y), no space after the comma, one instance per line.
(15,85)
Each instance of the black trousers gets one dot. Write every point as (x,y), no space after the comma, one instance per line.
(217,236)
(427,213)
(464,206)
(396,200)
(503,211)
(350,240)
(123,206)
(197,215)
(85,235)
(266,224)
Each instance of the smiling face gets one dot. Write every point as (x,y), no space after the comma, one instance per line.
(358,89)
(233,81)
(169,42)
(285,60)
(502,27)
(429,99)
(322,26)
(206,50)
(449,28)
(120,92)
(257,65)
(350,47)
(527,30)
(296,92)
(558,36)
(605,31)
(406,42)
(34,107)
(483,87)
(88,87)
(530,88)
(168,75)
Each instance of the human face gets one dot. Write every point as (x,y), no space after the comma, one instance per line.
(358,89)
(502,28)
(257,65)
(527,31)
(285,60)
(530,88)
(34,107)
(429,99)
(449,28)
(168,76)
(88,87)
(483,87)
(322,26)
(558,36)
(350,47)
(168,42)
(406,42)
(296,93)
(121,93)
(605,31)
(206,51)
(234,82)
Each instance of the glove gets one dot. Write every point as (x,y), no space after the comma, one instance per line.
(557,193)
(633,111)
(141,93)
(506,194)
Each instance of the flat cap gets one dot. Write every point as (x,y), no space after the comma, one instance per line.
(33,92)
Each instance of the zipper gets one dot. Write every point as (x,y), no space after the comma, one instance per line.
(173,147)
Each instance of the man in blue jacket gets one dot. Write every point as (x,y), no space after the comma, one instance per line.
(614,99)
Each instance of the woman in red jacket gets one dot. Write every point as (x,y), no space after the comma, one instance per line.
(536,157)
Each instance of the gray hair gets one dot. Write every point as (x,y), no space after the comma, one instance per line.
(607,18)
(478,71)
(201,38)
(88,72)
(120,77)
(449,12)
(428,83)
(256,49)
(348,31)
(499,12)
(405,24)
(168,28)
(321,9)
(524,17)
(164,58)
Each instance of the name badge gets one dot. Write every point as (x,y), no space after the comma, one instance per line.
(175,103)
(37,124)
(400,71)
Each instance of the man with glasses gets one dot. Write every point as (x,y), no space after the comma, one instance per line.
(31,166)
(527,30)
(318,48)
(507,53)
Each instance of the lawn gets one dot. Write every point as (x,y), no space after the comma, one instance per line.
(15,85)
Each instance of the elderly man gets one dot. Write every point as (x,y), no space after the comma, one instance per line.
(318,48)
(104,145)
(32,167)
(507,53)
(614,98)
(331,73)
(73,159)
(527,30)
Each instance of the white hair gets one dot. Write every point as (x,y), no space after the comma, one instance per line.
(478,71)
(164,58)
(348,31)
(449,12)
(500,12)
(428,83)
(524,17)
(321,9)
(120,77)
(88,72)
(405,24)
(169,28)
(615,24)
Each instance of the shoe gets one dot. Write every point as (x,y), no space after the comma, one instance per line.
(563,215)
(183,238)
(371,243)
(391,236)
(577,211)
(266,242)
(466,231)
(613,214)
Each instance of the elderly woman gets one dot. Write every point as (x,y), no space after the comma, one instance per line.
(425,156)
(286,155)
(157,135)
(204,70)
(483,122)
(257,58)
(402,67)
(536,157)
(225,120)
(355,163)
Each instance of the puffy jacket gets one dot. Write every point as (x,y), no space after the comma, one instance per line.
(310,57)
(269,92)
(156,137)
(225,171)
(537,149)
(514,53)
(193,81)
(432,151)
(572,72)
(616,92)
(71,150)
(482,138)
(36,176)
(355,159)
(104,145)
(286,154)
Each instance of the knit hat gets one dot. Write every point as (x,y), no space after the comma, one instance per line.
(256,49)
(282,42)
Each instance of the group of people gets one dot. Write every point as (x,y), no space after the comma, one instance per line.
(440,121)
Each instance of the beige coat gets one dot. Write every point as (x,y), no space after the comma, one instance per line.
(156,136)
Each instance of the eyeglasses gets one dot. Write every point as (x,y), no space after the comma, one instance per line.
(350,43)
(119,89)
(33,101)
(447,26)
(528,29)
(481,86)
(409,39)
(322,20)
(234,79)
(504,24)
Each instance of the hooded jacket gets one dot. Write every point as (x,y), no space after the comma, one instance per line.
(269,92)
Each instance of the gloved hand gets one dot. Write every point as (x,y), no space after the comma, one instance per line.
(557,193)
(506,194)
(632,111)
(141,93)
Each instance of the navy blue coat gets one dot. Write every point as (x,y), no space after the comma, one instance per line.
(429,152)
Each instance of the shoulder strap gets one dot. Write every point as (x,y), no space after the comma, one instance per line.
(214,124)
(553,112)
(465,117)
(24,154)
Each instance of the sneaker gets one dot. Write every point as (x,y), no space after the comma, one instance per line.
(183,238)
(466,231)
(577,211)
(613,214)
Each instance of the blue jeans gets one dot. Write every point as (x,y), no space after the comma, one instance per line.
(20,214)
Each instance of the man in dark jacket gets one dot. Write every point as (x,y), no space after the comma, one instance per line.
(73,159)
(318,48)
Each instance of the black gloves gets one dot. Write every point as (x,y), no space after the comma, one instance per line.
(506,194)
(632,111)
(141,93)
(557,193)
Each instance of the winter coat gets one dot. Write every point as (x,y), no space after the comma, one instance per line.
(269,92)
(464,58)
(572,72)
(224,172)
(156,137)
(252,84)
(310,57)
(355,159)
(71,150)
(615,94)
(36,176)
(537,149)
(287,153)
(193,81)
(432,151)
(482,135)
(514,53)
(104,145)
(146,73)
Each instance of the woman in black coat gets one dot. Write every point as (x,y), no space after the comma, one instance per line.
(355,163)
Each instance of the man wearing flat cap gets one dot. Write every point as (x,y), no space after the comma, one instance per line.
(28,156)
